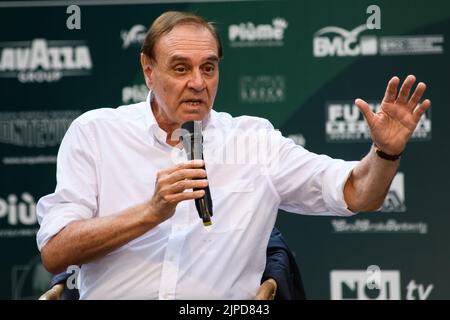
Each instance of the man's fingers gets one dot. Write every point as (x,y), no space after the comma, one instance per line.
(180,186)
(175,198)
(417,95)
(365,109)
(405,89)
(391,90)
(421,109)
(192,164)
(184,174)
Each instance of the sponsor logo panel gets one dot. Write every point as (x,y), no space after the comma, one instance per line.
(42,60)
(18,216)
(250,34)
(375,284)
(262,89)
(333,41)
(345,123)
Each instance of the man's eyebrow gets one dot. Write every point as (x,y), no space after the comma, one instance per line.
(178,58)
(213,58)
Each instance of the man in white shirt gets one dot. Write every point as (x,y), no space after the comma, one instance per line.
(123,204)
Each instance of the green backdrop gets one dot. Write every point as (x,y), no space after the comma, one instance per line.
(300,64)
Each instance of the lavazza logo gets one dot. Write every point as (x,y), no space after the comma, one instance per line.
(335,41)
(247,34)
(42,60)
(345,123)
(374,285)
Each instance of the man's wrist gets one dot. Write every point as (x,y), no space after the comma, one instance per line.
(150,216)
(386,156)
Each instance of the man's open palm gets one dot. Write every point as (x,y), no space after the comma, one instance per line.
(392,126)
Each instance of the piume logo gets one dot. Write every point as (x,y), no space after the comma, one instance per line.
(134,93)
(249,34)
(42,60)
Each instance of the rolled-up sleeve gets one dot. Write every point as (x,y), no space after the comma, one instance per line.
(309,183)
(75,196)
(334,179)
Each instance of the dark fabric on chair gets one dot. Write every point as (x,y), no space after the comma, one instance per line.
(68,294)
(282,267)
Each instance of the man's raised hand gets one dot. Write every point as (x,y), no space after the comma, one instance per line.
(392,126)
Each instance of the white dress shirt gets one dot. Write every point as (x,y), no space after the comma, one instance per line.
(108,161)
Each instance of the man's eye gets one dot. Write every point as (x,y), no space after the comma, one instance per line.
(209,69)
(180,69)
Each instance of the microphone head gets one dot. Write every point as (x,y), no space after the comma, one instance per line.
(191,137)
(192,128)
(189,126)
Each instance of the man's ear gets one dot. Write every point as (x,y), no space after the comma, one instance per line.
(147,69)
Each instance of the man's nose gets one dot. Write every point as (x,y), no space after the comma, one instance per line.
(197,82)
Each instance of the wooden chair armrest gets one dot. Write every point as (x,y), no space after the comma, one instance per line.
(54,293)
(267,290)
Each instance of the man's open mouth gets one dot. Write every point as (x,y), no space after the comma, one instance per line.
(194,102)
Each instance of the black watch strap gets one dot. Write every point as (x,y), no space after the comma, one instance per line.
(386,156)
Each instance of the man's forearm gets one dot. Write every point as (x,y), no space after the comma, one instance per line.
(82,241)
(369,182)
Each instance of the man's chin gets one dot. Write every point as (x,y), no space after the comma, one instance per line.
(194,117)
(194,114)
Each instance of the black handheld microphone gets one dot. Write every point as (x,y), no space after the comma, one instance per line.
(193,144)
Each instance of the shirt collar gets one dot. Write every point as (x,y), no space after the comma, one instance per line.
(149,116)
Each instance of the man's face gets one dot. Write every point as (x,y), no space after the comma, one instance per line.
(185,75)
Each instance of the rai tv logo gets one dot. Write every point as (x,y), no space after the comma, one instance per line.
(375,284)
(371,284)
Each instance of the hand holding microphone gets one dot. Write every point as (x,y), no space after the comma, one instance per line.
(171,185)
(193,144)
